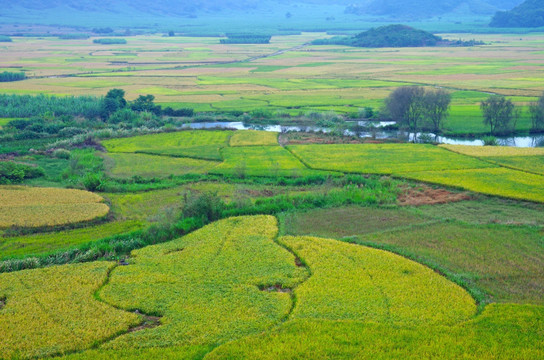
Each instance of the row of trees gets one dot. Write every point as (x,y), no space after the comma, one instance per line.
(7,76)
(417,108)
(414,107)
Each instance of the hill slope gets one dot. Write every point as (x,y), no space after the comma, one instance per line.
(430,8)
(528,14)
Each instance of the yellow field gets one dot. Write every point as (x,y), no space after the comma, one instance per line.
(485,151)
(253,138)
(34,207)
(52,311)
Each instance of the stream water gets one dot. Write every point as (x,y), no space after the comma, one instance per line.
(378,133)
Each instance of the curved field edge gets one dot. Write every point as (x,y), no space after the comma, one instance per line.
(53,311)
(34,207)
(503,331)
(402,161)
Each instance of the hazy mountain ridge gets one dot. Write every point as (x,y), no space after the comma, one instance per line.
(429,8)
(528,14)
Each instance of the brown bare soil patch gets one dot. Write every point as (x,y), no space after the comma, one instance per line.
(149,322)
(426,195)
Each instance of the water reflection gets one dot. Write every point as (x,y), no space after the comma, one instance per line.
(517,141)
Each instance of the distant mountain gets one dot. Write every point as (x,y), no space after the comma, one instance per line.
(528,14)
(415,9)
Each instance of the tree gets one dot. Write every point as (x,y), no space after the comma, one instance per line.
(436,104)
(145,103)
(405,105)
(114,101)
(499,113)
(537,114)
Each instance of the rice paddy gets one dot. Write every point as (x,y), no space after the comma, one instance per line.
(37,207)
(203,145)
(126,165)
(457,278)
(188,72)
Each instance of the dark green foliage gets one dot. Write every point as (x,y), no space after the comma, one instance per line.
(12,76)
(114,101)
(183,112)
(105,30)
(208,207)
(74,36)
(490,141)
(110,41)
(414,107)
(246,39)
(25,106)
(13,173)
(92,182)
(537,115)
(145,103)
(528,14)
(387,36)
(500,114)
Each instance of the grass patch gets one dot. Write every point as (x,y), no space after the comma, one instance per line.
(347,221)
(40,244)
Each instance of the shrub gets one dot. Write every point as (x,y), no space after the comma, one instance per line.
(490,141)
(92,182)
(12,173)
(61,154)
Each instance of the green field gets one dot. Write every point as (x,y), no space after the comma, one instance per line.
(321,78)
(492,181)
(502,263)
(149,166)
(383,158)
(204,145)
(253,138)
(261,161)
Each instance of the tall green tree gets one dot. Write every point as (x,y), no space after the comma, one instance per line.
(500,114)
(405,105)
(537,114)
(436,105)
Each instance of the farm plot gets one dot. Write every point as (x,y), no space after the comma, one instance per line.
(149,166)
(533,164)
(38,244)
(383,158)
(492,181)
(35,207)
(493,151)
(204,145)
(207,285)
(262,161)
(351,282)
(501,331)
(253,138)
(52,311)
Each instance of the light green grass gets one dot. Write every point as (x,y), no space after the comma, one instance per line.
(253,138)
(50,242)
(383,158)
(149,166)
(196,144)
(261,161)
